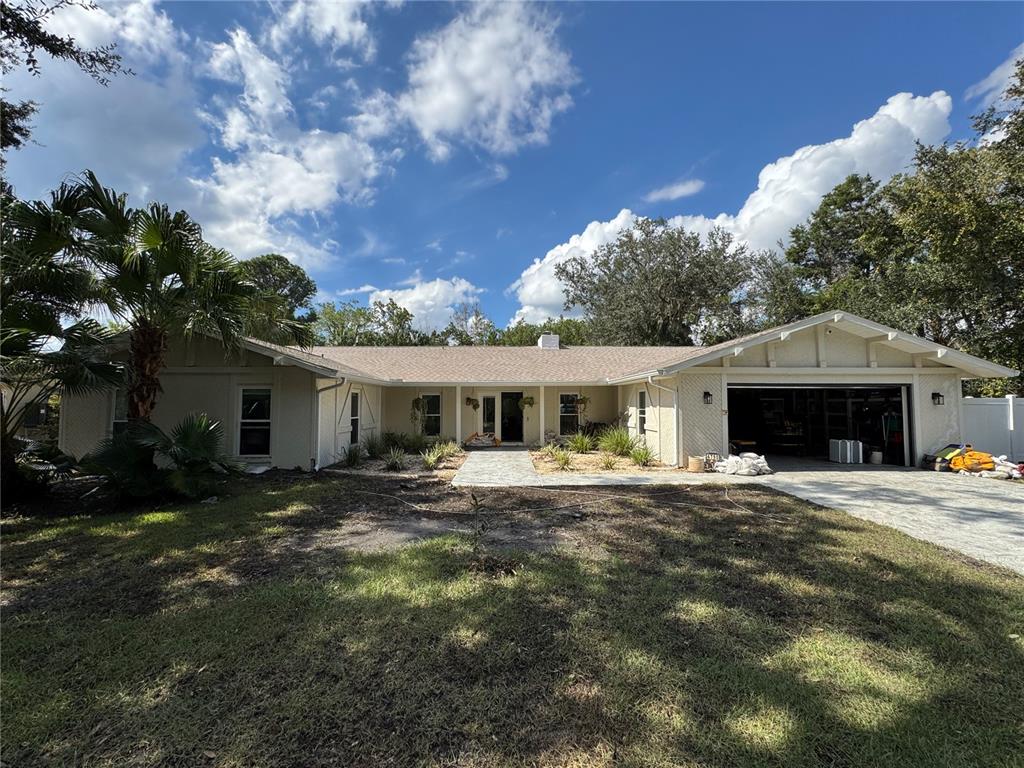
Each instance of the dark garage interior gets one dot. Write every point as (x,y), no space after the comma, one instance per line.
(800,421)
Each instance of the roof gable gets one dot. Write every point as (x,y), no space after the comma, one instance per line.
(853,324)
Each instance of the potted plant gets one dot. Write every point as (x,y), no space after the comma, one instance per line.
(473,403)
(526,402)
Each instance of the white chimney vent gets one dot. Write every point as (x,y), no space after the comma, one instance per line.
(548,341)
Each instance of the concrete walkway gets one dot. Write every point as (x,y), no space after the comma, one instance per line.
(981,518)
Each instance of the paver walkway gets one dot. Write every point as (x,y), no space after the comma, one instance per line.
(981,518)
(513,467)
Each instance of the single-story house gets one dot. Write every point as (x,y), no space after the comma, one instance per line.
(787,390)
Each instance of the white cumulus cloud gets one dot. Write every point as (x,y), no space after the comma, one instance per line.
(337,23)
(992,87)
(788,190)
(430,301)
(251,202)
(132,132)
(495,76)
(539,291)
(674,191)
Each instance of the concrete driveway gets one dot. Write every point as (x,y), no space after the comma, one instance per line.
(979,517)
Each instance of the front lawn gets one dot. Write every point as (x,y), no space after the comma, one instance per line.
(630,627)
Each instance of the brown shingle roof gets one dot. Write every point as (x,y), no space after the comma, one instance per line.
(461,365)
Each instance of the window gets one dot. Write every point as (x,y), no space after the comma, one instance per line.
(641,411)
(353,419)
(36,415)
(489,414)
(254,424)
(119,421)
(432,415)
(568,413)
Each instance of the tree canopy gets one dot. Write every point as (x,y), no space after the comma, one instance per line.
(937,251)
(23,37)
(658,284)
(273,273)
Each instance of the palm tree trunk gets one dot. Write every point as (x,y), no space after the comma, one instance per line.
(148,350)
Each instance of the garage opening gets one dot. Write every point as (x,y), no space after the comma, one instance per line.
(800,421)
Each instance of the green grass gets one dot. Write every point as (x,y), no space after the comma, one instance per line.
(682,630)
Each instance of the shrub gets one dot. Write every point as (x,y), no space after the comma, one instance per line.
(374,445)
(642,455)
(581,442)
(394,440)
(432,457)
(549,450)
(415,443)
(616,441)
(608,461)
(394,459)
(193,448)
(448,449)
(563,459)
(353,456)
(125,467)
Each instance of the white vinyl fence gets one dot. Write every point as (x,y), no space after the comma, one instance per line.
(995,425)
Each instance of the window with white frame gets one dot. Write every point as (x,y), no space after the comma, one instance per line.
(119,419)
(641,411)
(254,422)
(568,413)
(353,418)
(432,415)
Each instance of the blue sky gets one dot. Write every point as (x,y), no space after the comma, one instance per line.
(437,153)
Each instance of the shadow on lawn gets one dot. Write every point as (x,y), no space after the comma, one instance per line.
(770,635)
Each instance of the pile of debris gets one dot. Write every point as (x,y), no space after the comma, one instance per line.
(965,460)
(746,464)
(482,440)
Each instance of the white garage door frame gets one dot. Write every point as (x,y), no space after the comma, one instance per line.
(905,398)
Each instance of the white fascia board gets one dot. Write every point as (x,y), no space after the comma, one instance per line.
(951,357)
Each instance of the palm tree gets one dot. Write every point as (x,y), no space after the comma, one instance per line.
(160,278)
(44,280)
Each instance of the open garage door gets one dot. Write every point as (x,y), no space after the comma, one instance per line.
(799,421)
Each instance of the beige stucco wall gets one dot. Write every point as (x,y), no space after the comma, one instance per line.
(937,425)
(214,387)
(602,409)
(398,405)
(702,428)
(398,401)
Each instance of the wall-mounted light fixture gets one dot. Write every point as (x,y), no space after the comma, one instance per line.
(938,399)
(708,399)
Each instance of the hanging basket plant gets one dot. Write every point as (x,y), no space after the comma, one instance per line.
(473,403)
(581,404)
(417,410)
(526,402)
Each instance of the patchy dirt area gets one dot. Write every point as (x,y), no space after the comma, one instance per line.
(283,624)
(384,512)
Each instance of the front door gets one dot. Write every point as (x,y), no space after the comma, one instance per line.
(511,417)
